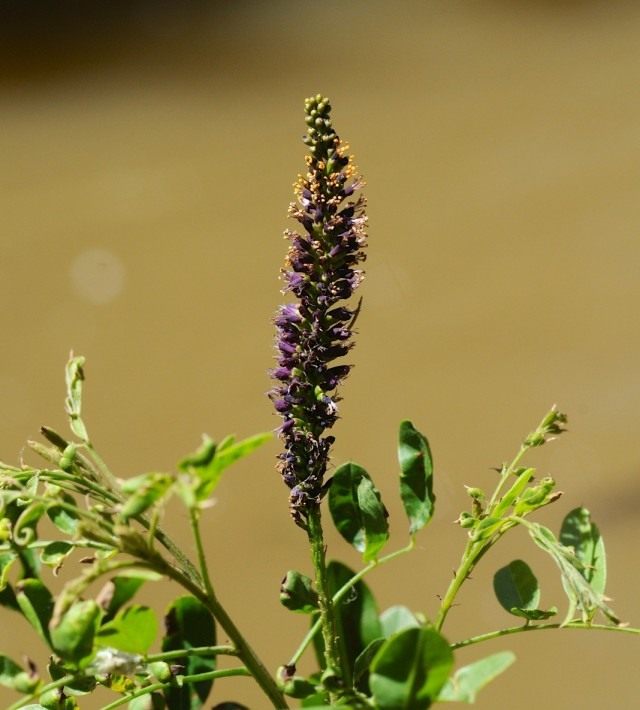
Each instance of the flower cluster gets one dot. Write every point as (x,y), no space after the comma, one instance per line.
(321,272)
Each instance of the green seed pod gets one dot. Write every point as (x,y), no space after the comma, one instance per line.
(68,457)
(466,520)
(72,638)
(161,671)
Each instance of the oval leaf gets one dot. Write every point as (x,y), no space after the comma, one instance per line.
(516,587)
(188,625)
(132,630)
(397,618)
(357,510)
(410,670)
(416,476)
(467,681)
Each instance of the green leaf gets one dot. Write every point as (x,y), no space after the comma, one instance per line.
(582,596)
(116,593)
(73,637)
(12,676)
(297,593)
(201,458)
(36,603)
(132,630)
(410,670)
(535,614)
(362,663)
(467,681)
(357,510)
(516,586)
(397,618)
(356,615)
(64,519)
(209,461)
(55,552)
(143,491)
(24,526)
(74,377)
(189,625)
(6,561)
(580,533)
(416,476)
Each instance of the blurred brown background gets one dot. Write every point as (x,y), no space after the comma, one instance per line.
(149,150)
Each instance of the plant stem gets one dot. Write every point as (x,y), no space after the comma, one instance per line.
(42,689)
(540,627)
(343,591)
(194,519)
(203,651)
(244,651)
(327,618)
(181,680)
(466,565)
(474,550)
(505,475)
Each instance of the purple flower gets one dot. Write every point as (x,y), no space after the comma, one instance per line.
(321,270)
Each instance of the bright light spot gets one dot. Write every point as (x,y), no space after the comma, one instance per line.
(97,276)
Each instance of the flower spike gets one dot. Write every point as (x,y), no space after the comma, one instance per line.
(311,333)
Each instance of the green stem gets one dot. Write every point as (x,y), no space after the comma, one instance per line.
(112,484)
(541,627)
(244,650)
(474,550)
(41,690)
(505,476)
(342,592)
(194,518)
(461,574)
(327,617)
(181,680)
(203,651)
